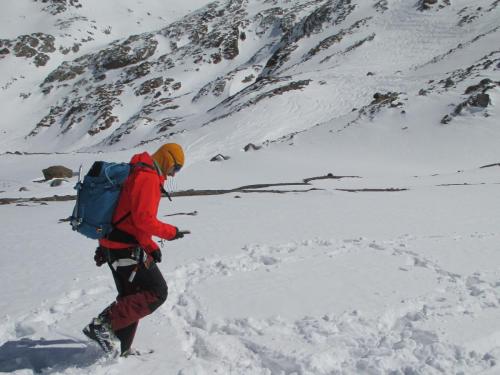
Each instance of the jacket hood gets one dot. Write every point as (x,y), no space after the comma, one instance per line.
(145,158)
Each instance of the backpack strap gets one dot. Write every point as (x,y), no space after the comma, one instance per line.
(157,170)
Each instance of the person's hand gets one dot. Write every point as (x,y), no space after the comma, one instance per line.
(100,257)
(179,234)
(156,255)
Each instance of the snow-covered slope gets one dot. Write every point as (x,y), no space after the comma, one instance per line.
(224,66)
(359,233)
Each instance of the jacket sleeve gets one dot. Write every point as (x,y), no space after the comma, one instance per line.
(145,198)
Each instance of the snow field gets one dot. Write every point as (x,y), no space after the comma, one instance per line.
(366,287)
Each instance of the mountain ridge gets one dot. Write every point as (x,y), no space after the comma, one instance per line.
(230,56)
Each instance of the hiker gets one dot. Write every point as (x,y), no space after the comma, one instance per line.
(131,253)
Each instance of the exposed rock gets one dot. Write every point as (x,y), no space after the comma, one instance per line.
(484,63)
(96,108)
(135,49)
(381,6)
(426,4)
(449,83)
(390,100)
(429,4)
(149,86)
(166,124)
(55,7)
(41,59)
(65,72)
(251,147)
(483,85)
(48,120)
(57,171)
(386,98)
(479,100)
(23,188)
(135,72)
(230,46)
(216,88)
(216,58)
(351,48)
(220,157)
(249,78)
(330,13)
(446,119)
(57,182)
(35,45)
(257,86)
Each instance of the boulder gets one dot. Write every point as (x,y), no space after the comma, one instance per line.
(479,100)
(57,171)
(220,157)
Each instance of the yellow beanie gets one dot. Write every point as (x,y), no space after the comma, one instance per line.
(168,155)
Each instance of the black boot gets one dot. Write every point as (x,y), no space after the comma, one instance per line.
(100,331)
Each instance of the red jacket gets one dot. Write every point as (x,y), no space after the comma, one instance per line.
(141,197)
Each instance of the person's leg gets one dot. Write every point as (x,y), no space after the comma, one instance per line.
(126,336)
(140,298)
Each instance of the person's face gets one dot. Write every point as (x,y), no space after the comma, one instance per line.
(171,171)
(174,169)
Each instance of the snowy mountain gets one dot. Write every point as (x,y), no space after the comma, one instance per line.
(74,86)
(341,182)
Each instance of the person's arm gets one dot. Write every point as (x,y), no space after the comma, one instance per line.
(146,196)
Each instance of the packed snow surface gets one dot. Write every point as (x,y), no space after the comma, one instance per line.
(360,237)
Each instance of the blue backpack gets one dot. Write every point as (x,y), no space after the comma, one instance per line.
(97,197)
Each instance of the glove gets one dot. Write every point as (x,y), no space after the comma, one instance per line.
(156,255)
(100,257)
(178,234)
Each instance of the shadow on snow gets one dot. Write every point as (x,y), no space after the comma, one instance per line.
(38,355)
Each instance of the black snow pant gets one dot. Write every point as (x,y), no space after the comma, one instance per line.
(135,299)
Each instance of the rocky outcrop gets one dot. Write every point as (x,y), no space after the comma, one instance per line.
(280,90)
(389,100)
(429,4)
(65,72)
(149,86)
(478,99)
(55,7)
(329,14)
(216,88)
(129,52)
(135,49)
(35,46)
(462,46)
(220,157)
(251,147)
(336,38)
(483,86)
(214,33)
(206,49)
(350,48)
(96,109)
(381,6)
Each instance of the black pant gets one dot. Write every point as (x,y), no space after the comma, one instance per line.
(135,299)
